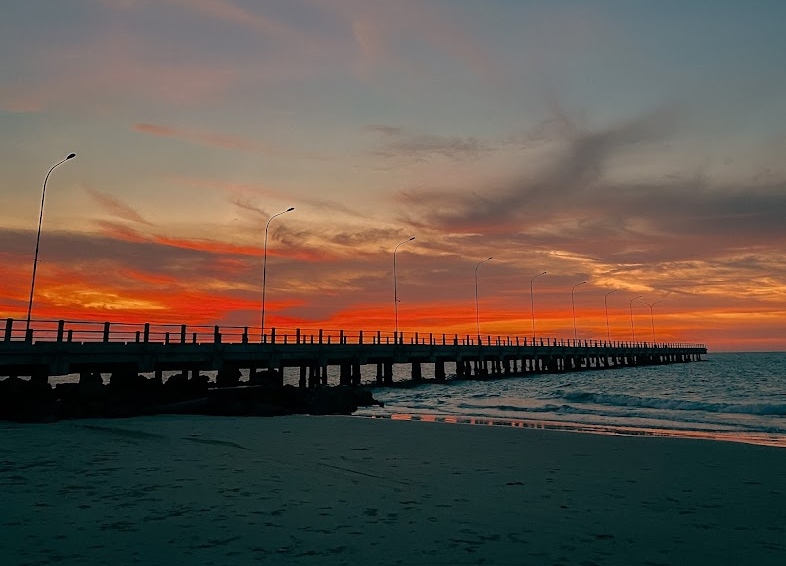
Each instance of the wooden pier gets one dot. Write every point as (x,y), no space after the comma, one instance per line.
(54,348)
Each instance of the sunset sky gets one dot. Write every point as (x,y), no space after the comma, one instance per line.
(632,144)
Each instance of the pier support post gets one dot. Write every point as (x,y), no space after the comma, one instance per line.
(439,370)
(302,381)
(388,373)
(417,373)
(379,373)
(345,374)
(40,376)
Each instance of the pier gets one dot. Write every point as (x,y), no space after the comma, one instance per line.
(56,348)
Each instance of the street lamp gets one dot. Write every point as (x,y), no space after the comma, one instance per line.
(264,270)
(632,329)
(573,304)
(532,303)
(395,284)
(477,310)
(38,237)
(606,304)
(652,318)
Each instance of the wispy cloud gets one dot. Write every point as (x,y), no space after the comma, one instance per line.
(396,143)
(221,10)
(205,138)
(382,30)
(117,208)
(230,12)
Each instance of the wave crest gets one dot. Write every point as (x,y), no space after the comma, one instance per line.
(621,400)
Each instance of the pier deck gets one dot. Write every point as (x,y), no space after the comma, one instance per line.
(52,348)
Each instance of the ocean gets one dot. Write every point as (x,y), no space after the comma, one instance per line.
(726,396)
(736,397)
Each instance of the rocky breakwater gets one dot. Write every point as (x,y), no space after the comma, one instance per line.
(129,394)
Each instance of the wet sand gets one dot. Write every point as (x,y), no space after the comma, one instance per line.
(349,490)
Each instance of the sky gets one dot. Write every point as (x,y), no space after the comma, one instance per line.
(634,145)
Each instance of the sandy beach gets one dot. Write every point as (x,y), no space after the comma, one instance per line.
(350,490)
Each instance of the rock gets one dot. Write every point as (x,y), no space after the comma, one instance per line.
(269,378)
(26,400)
(339,400)
(228,377)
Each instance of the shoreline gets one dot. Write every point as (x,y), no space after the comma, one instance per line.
(340,490)
(752,438)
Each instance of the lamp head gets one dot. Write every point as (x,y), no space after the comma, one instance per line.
(71,156)
(412,238)
(290,209)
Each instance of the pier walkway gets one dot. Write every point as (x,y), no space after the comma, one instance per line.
(53,348)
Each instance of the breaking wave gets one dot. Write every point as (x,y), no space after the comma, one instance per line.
(620,400)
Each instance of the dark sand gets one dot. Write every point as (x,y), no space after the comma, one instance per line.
(347,490)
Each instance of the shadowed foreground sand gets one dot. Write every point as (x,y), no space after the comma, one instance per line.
(348,490)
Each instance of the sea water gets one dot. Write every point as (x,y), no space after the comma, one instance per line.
(738,397)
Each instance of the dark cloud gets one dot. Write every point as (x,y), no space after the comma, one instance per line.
(573,204)
(105,255)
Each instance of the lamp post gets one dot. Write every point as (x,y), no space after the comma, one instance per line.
(477,309)
(532,302)
(395,283)
(606,305)
(632,329)
(38,238)
(264,270)
(573,304)
(652,318)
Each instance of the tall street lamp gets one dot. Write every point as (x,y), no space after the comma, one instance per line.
(264,270)
(632,329)
(606,305)
(532,302)
(395,283)
(573,304)
(477,310)
(652,318)
(38,238)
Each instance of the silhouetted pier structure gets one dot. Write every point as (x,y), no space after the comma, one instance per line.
(53,348)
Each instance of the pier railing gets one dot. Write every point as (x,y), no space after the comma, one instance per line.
(122,332)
